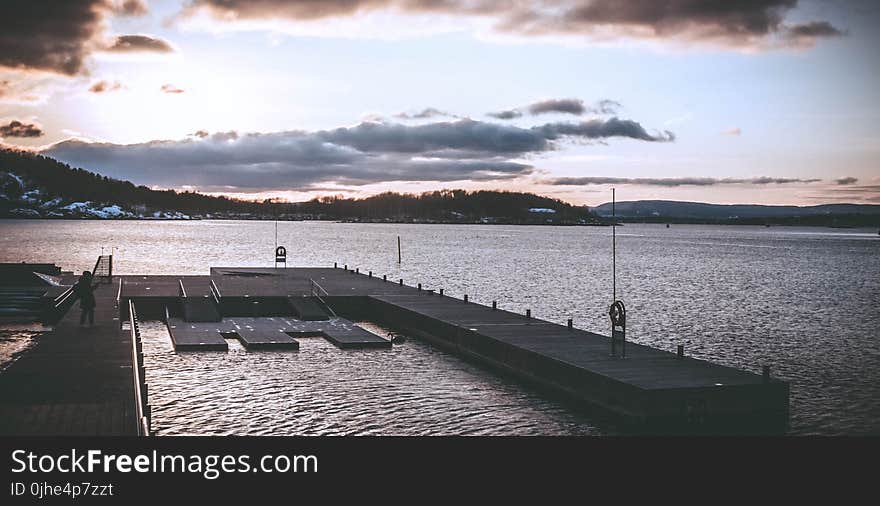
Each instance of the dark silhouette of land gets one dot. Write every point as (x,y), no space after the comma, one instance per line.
(36,186)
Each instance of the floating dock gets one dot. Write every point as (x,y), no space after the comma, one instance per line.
(648,388)
(90,380)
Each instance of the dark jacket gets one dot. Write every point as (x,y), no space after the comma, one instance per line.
(85,291)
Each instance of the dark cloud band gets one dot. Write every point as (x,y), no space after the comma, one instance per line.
(733,23)
(672,182)
(138,43)
(16,128)
(55,36)
(363,154)
(573,106)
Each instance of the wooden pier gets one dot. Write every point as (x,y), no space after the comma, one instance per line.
(88,380)
(647,388)
(76,380)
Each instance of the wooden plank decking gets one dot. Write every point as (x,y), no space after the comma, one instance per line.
(77,380)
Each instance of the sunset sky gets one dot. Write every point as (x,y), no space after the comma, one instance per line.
(766,101)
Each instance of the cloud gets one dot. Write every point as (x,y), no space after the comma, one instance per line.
(508,114)
(16,128)
(846,180)
(105,86)
(602,129)
(261,162)
(170,88)
(358,155)
(138,43)
(757,23)
(563,105)
(57,37)
(672,182)
(736,132)
(131,8)
(572,106)
(814,29)
(429,112)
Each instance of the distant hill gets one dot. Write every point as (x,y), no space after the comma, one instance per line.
(698,212)
(35,186)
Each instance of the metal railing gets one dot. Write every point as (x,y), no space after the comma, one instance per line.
(104,268)
(215,292)
(142,406)
(182,290)
(317,292)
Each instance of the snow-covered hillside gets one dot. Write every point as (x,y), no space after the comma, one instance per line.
(20,199)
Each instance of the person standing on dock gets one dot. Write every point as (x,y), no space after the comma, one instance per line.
(85,291)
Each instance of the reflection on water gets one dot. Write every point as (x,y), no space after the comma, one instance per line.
(802,300)
(14,341)
(412,389)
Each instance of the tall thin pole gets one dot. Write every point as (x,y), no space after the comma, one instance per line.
(613,247)
(398,249)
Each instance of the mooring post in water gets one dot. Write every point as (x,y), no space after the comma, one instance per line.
(441,292)
(465,297)
(570,324)
(401,281)
(357,270)
(494,304)
(766,373)
(385,277)
(680,351)
(528,313)
(420,287)
(371,274)
(398,249)
(335,265)
(346,267)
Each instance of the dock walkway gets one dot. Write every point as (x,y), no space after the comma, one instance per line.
(76,380)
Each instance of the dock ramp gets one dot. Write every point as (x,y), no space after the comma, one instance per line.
(197,306)
(307,308)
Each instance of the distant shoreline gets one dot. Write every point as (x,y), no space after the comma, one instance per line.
(621,223)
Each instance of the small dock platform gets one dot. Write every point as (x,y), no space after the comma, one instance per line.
(269,333)
(195,336)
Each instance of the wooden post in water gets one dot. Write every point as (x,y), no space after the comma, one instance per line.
(570,324)
(680,352)
(528,313)
(465,298)
(494,304)
(441,292)
(398,250)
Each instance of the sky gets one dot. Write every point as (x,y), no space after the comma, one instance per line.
(764,101)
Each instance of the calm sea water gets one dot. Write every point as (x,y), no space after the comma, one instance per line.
(802,300)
